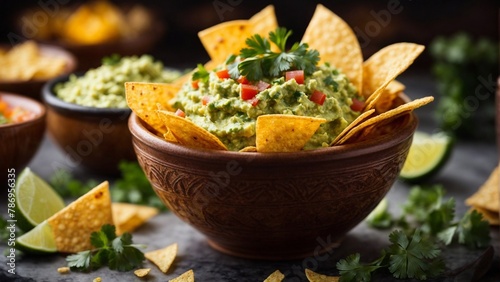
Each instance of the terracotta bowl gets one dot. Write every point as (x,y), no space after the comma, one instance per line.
(33,88)
(274,205)
(20,141)
(96,138)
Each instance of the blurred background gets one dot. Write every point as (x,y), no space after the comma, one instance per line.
(377,23)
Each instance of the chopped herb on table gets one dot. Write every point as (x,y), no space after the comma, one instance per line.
(425,227)
(118,253)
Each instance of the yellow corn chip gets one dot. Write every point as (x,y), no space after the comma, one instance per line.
(385,117)
(169,136)
(143,272)
(127,217)
(189,134)
(187,276)
(487,197)
(337,44)
(225,39)
(362,117)
(143,98)
(163,258)
(391,92)
(276,276)
(249,149)
(73,225)
(284,133)
(264,21)
(385,65)
(316,277)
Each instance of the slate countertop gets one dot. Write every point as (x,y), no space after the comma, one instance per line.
(469,166)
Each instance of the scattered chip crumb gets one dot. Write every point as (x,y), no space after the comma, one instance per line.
(187,276)
(97,279)
(142,272)
(316,277)
(163,258)
(276,276)
(63,270)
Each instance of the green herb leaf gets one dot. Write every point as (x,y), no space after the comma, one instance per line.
(114,59)
(473,231)
(201,74)
(80,260)
(351,269)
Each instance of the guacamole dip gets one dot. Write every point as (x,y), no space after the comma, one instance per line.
(103,87)
(219,104)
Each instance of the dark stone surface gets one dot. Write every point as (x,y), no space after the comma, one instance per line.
(468,168)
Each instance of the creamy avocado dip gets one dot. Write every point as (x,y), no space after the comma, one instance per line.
(103,87)
(217,106)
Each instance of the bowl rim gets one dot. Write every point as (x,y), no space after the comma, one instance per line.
(140,132)
(52,51)
(57,104)
(30,102)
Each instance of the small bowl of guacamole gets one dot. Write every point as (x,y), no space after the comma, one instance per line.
(87,112)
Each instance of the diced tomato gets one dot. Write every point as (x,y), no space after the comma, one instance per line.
(194,84)
(357,105)
(254,101)
(248,91)
(180,113)
(205,100)
(262,85)
(242,79)
(298,75)
(222,74)
(318,97)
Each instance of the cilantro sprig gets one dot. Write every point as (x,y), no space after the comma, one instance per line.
(424,228)
(118,253)
(258,60)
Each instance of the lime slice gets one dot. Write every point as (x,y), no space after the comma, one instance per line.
(38,240)
(428,153)
(36,201)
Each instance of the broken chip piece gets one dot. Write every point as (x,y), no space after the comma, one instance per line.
(143,272)
(163,258)
(187,276)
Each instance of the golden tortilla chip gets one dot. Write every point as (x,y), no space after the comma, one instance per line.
(337,44)
(276,276)
(284,133)
(163,258)
(316,277)
(391,92)
(169,136)
(249,149)
(487,197)
(225,39)
(143,272)
(384,66)
(385,117)
(73,224)
(264,21)
(362,117)
(187,276)
(189,134)
(143,98)
(127,217)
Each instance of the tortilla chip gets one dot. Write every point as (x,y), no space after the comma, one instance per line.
(73,224)
(127,217)
(384,66)
(249,149)
(227,38)
(142,272)
(143,98)
(487,197)
(187,276)
(316,277)
(337,44)
(391,92)
(362,117)
(491,216)
(276,276)
(189,134)
(284,133)
(385,118)
(264,21)
(163,258)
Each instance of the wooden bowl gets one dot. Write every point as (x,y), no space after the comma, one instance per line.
(20,141)
(274,205)
(96,138)
(33,88)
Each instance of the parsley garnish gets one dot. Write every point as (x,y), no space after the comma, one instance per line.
(425,226)
(111,60)
(201,74)
(117,252)
(257,60)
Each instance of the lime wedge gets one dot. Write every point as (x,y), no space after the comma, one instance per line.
(36,201)
(428,153)
(38,240)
